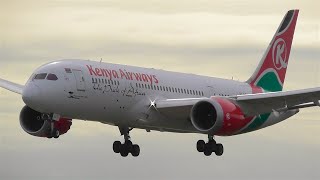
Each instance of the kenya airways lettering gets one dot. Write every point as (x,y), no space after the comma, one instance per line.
(122,74)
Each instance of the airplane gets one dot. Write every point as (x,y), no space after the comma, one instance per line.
(156,100)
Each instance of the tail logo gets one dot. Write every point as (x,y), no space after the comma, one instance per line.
(279,54)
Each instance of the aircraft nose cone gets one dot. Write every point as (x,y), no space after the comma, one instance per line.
(31,95)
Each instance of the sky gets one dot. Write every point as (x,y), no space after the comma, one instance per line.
(207,37)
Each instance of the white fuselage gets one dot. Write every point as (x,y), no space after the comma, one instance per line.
(121,95)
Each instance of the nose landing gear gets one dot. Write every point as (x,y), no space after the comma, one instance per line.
(210,147)
(53,132)
(127,147)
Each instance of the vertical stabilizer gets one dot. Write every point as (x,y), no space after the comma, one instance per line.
(271,71)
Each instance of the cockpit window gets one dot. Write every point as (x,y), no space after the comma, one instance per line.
(52,77)
(40,76)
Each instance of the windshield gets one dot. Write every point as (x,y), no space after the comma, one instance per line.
(40,76)
(52,77)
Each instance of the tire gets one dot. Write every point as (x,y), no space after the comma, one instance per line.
(116,146)
(201,145)
(135,150)
(212,145)
(129,145)
(56,134)
(219,150)
(207,150)
(123,150)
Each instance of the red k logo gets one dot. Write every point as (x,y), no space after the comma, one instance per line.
(279,54)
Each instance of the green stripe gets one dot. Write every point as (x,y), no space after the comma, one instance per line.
(270,82)
(256,123)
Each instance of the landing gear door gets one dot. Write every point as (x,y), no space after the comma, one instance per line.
(80,81)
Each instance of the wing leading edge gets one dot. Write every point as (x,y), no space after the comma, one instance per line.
(17,88)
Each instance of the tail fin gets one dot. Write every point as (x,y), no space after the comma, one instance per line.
(271,72)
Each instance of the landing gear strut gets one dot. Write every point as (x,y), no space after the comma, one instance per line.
(127,147)
(210,147)
(53,132)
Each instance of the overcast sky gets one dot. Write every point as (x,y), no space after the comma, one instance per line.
(215,38)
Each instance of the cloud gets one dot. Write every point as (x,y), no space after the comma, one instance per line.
(97,22)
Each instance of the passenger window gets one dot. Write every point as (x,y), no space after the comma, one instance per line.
(52,77)
(40,76)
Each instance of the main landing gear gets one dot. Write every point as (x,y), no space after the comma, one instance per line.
(210,147)
(127,147)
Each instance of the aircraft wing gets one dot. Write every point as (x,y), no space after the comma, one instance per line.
(176,108)
(251,104)
(254,104)
(17,88)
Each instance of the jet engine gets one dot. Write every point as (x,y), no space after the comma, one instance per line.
(42,125)
(217,116)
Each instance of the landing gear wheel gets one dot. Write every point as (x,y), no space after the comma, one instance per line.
(123,150)
(201,145)
(135,150)
(116,146)
(219,150)
(56,133)
(207,150)
(127,147)
(210,147)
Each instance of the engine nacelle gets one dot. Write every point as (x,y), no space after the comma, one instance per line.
(34,124)
(217,116)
